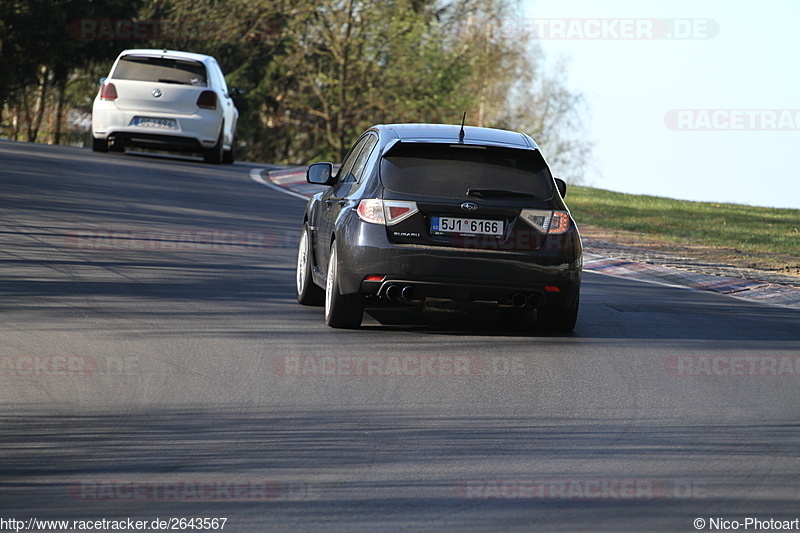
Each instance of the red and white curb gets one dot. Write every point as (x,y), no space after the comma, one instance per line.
(286,186)
(752,290)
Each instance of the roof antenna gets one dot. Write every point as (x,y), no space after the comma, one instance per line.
(461,133)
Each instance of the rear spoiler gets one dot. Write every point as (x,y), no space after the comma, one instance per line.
(395,144)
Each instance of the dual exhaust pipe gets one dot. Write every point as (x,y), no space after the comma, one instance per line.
(532,300)
(518,300)
(397,292)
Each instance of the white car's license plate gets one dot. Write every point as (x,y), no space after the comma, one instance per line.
(470,226)
(148,122)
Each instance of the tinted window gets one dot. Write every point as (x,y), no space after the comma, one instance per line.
(345,174)
(444,171)
(161,70)
(360,164)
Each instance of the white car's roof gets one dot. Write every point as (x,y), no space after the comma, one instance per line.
(170,54)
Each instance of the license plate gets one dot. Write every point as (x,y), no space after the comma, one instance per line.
(161,123)
(466,226)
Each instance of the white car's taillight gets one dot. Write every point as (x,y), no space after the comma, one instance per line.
(548,222)
(207,100)
(385,212)
(108,92)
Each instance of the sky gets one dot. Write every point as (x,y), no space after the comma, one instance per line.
(694,100)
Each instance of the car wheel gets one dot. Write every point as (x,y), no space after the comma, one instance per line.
(117,146)
(228,156)
(214,155)
(558,319)
(341,311)
(308,293)
(99,145)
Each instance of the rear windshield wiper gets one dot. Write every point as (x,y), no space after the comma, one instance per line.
(486,193)
(176,82)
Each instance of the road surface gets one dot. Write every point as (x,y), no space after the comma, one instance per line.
(155,365)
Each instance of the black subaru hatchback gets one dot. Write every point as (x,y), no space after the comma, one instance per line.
(419,213)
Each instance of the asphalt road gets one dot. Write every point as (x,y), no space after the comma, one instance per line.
(155,365)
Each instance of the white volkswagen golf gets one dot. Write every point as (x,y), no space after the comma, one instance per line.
(165,100)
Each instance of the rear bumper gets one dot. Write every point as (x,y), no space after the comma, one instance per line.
(193,132)
(416,292)
(155,141)
(552,274)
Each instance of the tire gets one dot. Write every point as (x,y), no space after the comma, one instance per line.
(99,145)
(308,293)
(558,319)
(117,146)
(341,311)
(214,155)
(228,156)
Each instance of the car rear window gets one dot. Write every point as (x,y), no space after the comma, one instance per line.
(448,171)
(159,69)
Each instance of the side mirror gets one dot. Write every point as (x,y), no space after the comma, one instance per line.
(320,174)
(102,81)
(562,187)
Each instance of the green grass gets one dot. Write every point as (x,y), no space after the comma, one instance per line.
(741,227)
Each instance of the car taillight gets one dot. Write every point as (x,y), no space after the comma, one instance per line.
(207,100)
(385,212)
(108,92)
(371,211)
(548,222)
(398,210)
(560,223)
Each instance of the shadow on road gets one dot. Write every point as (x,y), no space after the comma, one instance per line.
(387,465)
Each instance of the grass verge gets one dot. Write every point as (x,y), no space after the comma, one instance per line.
(731,226)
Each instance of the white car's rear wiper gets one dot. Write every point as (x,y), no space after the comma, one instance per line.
(176,82)
(485,193)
